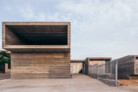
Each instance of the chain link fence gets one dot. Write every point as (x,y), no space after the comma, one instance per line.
(107,73)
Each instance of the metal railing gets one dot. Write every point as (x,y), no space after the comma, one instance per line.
(107,73)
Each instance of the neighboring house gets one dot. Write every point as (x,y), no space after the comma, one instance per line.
(127,66)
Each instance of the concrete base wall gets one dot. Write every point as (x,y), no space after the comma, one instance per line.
(76,68)
(37,65)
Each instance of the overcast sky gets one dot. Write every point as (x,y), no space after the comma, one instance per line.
(99,28)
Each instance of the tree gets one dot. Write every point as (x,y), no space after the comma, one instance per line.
(4,58)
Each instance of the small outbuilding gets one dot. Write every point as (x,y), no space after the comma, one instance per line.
(127,66)
(89,61)
(77,66)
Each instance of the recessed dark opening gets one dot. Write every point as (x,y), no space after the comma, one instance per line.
(36,35)
(136,57)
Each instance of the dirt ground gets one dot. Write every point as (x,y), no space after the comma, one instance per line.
(130,88)
(126,82)
(129,84)
(78,83)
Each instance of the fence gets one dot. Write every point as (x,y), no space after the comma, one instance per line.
(136,69)
(107,73)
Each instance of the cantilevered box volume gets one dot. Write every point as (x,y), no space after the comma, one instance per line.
(38,49)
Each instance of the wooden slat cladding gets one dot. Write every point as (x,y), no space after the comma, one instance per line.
(136,65)
(127,66)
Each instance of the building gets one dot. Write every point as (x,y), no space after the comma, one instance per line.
(127,66)
(38,49)
(77,66)
(90,61)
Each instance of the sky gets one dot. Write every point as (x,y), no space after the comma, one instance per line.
(99,28)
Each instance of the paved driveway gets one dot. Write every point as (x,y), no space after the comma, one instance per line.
(79,83)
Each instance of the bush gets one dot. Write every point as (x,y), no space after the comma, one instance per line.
(4,58)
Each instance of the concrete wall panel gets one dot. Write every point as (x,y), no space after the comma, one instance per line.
(25,63)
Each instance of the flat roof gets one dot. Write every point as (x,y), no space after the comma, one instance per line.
(99,58)
(79,61)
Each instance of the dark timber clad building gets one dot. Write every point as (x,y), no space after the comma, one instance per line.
(127,66)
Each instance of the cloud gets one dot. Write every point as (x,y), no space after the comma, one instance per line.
(98,27)
(102,28)
(29,13)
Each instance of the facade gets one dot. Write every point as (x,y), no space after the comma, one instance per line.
(90,61)
(127,66)
(77,66)
(38,49)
